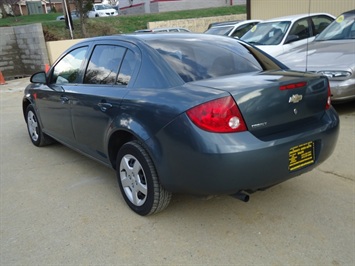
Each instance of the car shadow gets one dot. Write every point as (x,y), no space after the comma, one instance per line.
(345,108)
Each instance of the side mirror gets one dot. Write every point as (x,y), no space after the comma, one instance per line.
(291,38)
(39,77)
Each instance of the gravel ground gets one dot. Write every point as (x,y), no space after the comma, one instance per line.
(61,208)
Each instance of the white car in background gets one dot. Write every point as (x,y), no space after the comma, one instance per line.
(102,10)
(279,35)
(234,29)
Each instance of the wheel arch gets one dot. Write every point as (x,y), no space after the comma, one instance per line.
(120,137)
(116,141)
(25,103)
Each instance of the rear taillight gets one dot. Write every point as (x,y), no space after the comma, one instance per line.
(220,116)
(293,86)
(329,102)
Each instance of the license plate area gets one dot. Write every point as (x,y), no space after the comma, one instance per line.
(301,156)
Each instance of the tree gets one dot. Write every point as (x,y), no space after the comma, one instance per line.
(6,7)
(83,7)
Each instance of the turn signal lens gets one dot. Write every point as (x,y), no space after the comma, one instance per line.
(220,116)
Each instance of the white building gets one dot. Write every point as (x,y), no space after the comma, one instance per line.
(155,6)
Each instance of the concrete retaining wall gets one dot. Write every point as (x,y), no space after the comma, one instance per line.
(22,51)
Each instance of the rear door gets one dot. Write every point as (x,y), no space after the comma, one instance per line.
(107,79)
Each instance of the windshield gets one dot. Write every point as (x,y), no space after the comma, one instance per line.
(268,33)
(102,7)
(219,30)
(341,28)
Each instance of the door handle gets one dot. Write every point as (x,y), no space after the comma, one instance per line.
(104,106)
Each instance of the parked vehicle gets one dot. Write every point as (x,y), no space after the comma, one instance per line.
(332,54)
(234,29)
(102,10)
(279,35)
(160,30)
(170,119)
(74,15)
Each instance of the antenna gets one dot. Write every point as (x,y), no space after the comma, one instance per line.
(309,13)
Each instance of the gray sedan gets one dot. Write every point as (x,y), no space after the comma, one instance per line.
(170,119)
(332,54)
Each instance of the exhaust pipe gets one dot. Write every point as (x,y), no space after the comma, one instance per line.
(241,196)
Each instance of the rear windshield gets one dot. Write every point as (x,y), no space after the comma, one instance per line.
(199,59)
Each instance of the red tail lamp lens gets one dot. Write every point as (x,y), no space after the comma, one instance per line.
(220,116)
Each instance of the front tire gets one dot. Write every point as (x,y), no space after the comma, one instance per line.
(139,181)
(37,137)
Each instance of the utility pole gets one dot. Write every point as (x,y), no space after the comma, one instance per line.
(147,6)
(68,18)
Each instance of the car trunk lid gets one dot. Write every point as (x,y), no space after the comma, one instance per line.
(275,101)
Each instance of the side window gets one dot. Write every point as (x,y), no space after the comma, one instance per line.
(104,64)
(320,23)
(352,32)
(239,32)
(126,69)
(68,68)
(301,29)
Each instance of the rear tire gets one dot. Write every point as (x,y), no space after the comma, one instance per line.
(139,181)
(37,137)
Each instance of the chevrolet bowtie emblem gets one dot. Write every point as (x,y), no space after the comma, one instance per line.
(295,98)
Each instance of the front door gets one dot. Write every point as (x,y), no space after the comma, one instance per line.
(55,104)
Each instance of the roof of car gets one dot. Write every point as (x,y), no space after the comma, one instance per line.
(231,23)
(163,29)
(296,17)
(141,37)
(222,23)
(352,12)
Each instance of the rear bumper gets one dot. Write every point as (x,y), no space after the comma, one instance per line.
(190,160)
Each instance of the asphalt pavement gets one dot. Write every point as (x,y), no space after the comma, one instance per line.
(60,208)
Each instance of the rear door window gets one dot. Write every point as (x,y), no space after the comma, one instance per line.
(126,69)
(320,23)
(110,65)
(104,64)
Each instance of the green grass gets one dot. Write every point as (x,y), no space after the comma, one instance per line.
(23,20)
(55,30)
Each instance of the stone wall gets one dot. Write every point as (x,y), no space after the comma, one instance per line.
(22,51)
